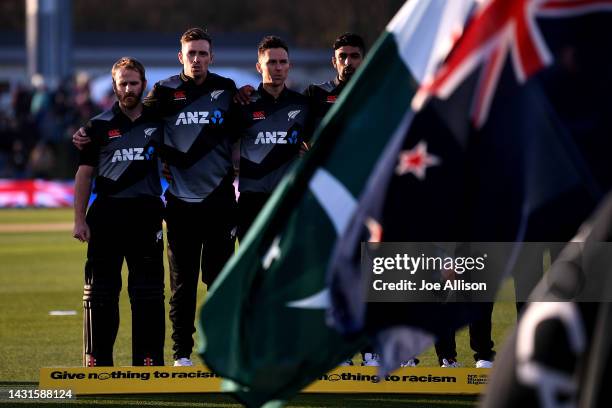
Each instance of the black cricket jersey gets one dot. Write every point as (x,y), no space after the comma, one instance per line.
(323,97)
(197,139)
(124,153)
(272,132)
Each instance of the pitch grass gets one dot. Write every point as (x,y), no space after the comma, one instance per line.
(43,271)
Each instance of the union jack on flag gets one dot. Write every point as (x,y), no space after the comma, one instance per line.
(499,28)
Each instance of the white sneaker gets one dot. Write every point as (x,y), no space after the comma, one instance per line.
(371,360)
(484,364)
(413,362)
(346,363)
(183,362)
(450,363)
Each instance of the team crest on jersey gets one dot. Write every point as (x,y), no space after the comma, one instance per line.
(259,115)
(292,114)
(331,98)
(179,95)
(149,131)
(215,94)
(113,133)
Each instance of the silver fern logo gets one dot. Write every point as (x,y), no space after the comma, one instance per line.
(215,94)
(293,114)
(149,131)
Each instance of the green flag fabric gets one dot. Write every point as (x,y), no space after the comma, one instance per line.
(263,323)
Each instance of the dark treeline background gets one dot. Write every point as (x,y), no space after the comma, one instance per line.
(306,23)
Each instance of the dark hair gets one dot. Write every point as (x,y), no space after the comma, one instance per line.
(129,63)
(271,41)
(194,34)
(350,39)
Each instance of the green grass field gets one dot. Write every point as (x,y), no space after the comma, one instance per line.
(43,271)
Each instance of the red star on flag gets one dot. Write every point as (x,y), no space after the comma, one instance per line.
(375,229)
(501,28)
(416,161)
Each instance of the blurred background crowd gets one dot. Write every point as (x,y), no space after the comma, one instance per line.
(36,123)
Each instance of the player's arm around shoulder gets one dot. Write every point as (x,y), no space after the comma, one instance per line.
(81,139)
(308,91)
(309,127)
(241,114)
(158,99)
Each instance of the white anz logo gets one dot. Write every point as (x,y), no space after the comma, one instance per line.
(192,117)
(215,94)
(149,131)
(133,153)
(271,138)
(293,114)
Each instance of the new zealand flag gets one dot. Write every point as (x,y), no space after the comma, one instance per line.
(510,143)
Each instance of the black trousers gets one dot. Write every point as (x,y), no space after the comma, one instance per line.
(200,235)
(130,229)
(249,206)
(530,270)
(480,335)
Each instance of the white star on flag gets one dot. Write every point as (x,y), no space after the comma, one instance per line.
(416,161)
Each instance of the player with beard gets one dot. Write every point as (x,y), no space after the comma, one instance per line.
(349,51)
(124,222)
